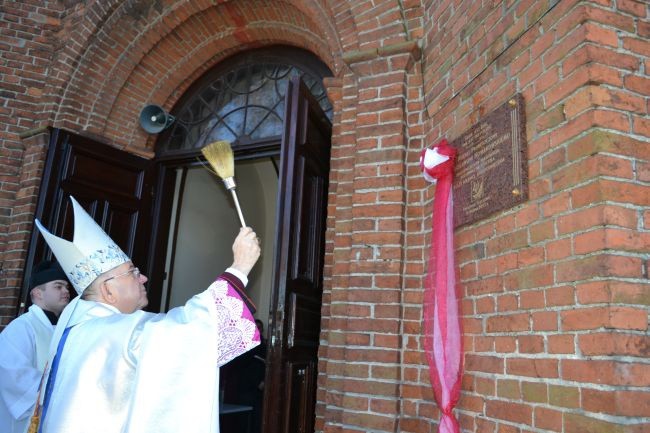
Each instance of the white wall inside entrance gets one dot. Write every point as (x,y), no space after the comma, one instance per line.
(208,225)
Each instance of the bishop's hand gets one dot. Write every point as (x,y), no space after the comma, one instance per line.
(245,250)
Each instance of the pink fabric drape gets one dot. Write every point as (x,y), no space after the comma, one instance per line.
(442,343)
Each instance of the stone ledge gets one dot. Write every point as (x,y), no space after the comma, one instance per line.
(413,47)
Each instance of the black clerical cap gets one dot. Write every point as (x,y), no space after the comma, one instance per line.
(46,271)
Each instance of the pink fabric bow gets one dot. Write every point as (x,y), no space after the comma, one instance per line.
(442,339)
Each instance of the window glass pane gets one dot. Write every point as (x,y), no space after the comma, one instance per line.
(243,100)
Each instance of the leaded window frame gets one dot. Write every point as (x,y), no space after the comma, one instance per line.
(203,114)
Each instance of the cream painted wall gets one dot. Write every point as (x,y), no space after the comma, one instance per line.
(208,225)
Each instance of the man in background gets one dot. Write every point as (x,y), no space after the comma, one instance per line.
(25,343)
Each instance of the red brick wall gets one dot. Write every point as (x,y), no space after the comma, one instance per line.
(555,291)
(27,32)
(556,319)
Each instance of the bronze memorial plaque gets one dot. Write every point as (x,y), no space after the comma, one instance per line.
(492,168)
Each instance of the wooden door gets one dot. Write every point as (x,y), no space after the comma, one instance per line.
(290,389)
(114,187)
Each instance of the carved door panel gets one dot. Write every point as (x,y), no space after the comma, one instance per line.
(290,390)
(112,185)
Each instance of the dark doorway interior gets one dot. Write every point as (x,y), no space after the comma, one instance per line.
(205,222)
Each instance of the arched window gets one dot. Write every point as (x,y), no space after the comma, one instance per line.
(242,99)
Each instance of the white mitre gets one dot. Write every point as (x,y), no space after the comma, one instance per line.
(91,252)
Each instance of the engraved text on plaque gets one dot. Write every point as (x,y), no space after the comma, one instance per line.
(491,170)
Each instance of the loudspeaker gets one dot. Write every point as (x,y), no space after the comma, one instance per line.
(154,119)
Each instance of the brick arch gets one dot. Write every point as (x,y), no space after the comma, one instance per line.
(121,122)
(80,24)
(102,83)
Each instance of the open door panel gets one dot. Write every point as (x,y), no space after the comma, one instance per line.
(114,186)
